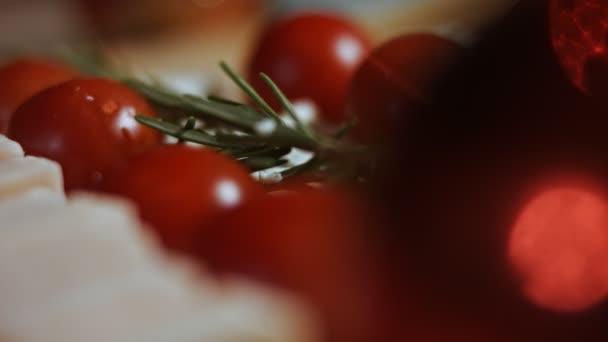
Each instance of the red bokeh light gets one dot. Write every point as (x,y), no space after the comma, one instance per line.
(559,247)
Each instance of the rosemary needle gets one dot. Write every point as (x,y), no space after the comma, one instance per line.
(191,135)
(286,104)
(248,89)
(190,125)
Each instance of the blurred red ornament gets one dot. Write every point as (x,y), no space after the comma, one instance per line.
(579,30)
(559,245)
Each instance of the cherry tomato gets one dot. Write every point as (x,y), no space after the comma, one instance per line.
(179,189)
(23,78)
(86,125)
(307,240)
(395,80)
(310,56)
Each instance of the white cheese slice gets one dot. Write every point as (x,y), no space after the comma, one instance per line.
(245,311)
(155,306)
(88,271)
(46,257)
(19,175)
(9,148)
(132,307)
(37,202)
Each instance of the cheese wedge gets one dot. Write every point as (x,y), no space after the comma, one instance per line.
(130,308)
(9,149)
(19,175)
(246,311)
(37,202)
(88,271)
(80,245)
(153,306)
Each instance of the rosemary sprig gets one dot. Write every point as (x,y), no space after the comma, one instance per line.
(262,163)
(271,151)
(254,135)
(217,99)
(314,162)
(248,89)
(286,104)
(190,125)
(344,129)
(238,117)
(179,132)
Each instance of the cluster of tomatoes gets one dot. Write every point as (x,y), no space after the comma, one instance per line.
(461,207)
(205,204)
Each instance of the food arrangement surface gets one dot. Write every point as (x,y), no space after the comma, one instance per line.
(325,171)
(88,271)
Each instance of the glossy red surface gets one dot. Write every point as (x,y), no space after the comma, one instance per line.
(22,78)
(311,241)
(310,56)
(87,125)
(179,189)
(396,80)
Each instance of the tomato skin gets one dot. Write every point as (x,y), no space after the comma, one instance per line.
(396,80)
(86,125)
(307,240)
(25,77)
(179,189)
(310,56)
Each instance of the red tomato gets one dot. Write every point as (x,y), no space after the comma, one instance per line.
(310,56)
(178,189)
(86,125)
(310,241)
(23,78)
(394,80)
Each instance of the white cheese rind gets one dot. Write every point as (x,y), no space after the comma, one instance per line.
(9,149)
(19,175)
